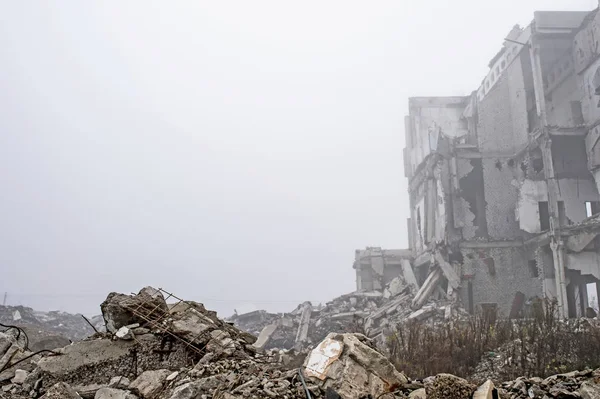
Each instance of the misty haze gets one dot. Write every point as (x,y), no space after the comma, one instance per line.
(299,200)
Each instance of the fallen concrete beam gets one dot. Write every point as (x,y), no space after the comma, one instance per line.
(422,313)
(302,333)
(265,336)
(427,288)
(409,274)
(348,315)
(448,270)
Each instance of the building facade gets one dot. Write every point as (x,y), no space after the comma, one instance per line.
(503,183)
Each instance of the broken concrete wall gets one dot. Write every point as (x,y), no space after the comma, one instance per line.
(563,102)
(503,126)
(428,118)
(376,267)
(574,193)
(531,193)
(585,53)
(501,195)
(496,275)
(586,262)
(429,211)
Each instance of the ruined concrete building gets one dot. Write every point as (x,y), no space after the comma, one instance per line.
(503,183)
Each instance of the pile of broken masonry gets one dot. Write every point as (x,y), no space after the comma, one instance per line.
(159,350)
(374,313)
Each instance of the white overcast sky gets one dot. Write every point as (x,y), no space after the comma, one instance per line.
(235,153)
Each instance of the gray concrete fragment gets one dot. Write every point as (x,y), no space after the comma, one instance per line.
(302,333)
(485,391)
(88,391)
(113,393)
(119,383)
(83,354)
(589,390)
(418,394)
(348,364)
(150,383)
(265,336)
(20,376)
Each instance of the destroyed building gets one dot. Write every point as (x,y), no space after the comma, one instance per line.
(503,184)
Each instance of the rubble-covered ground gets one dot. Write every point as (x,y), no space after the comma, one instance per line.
(70,326)
(155,349)
(372,313)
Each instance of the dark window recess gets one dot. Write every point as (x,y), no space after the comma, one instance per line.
(544,215)
(533,268)
(491,265)
(577,113)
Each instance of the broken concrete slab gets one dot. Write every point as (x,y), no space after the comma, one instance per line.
(304,324)
(589,390)
(265,336)
(448,270)
(418,394)
(485,391)
(121,310)
(348,364)
(85,354)
(192,324)
(150,383)
(427,288)
(119,382)
(422,313)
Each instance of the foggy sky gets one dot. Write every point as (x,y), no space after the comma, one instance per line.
(235,153)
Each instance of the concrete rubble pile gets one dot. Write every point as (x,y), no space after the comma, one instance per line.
(370,312)
(71,326)
(157,350)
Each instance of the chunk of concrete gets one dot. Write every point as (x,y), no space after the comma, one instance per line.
(6,341)
(119,310)
(20,376)
(9,355)
(124,333)
(191,324)
(88,391)
(119,382)
(485,391)
(589,390)
(150,383)
(85,354)
(265,336)
(350,365)
(61,390)
(418,394)
(113,393)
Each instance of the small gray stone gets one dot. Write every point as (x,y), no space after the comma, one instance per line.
(20,376)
